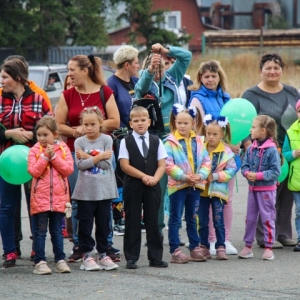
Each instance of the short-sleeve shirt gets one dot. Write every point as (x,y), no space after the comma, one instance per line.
(123,153)
(75,107)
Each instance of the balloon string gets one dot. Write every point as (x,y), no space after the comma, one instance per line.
(2,126)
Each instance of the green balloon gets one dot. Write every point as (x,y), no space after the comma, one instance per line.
(13,164)
(284,171)
(240,113)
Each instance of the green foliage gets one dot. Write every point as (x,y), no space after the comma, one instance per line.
(147,24)
(277,22)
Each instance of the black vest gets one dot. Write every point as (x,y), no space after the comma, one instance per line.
(148,164)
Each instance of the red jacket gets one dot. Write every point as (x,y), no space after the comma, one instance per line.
(49,188)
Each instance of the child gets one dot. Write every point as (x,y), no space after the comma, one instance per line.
(142,158)
(291,152)
(187,166)
(49,162)
(95,188)
(261,167)
(216,191)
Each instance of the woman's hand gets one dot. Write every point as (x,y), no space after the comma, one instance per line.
(155,61)
(235,148)
(158,48)
(78,131)
(19,135)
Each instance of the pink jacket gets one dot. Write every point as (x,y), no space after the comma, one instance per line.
(49,188)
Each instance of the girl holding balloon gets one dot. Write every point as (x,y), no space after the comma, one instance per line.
(209,95)
(261,167)
(20,110)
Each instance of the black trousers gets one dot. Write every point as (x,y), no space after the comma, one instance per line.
(148,199)
(87,212)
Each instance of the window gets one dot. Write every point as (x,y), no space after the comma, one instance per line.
(173,20)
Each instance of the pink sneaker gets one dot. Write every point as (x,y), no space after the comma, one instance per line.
(107,264)
(205,252)
(89,264)
(246,253)
(178,257)
(197,254)
(221,253)
(268,254)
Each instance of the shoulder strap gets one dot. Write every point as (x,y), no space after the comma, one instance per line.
(103,99)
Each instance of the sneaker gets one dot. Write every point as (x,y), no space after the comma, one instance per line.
(297,247)
(276,245)
(107,264)
(42,268)
(212,248)
(178,257)
(205,252)
(10,260)
(16,252)
(62,267)
(246,253)
(221,253)
(89,264)
(197,255)
(288,242)
(113,255)
(268,254)
(65,233)
(76,255)
(230,249)
(119,230)
(32,254)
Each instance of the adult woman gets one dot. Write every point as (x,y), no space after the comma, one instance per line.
(87,78)
(123,81)
(155,79)
(277,100)
(209,94)
(20,109)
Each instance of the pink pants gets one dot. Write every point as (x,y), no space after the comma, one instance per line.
(228,216)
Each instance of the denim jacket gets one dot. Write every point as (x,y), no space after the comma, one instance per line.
(264,160)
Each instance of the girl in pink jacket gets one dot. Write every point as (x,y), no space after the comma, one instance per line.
(50,163)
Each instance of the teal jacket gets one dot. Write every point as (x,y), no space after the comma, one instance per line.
(170,83)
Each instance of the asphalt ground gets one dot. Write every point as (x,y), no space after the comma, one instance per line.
(233,279)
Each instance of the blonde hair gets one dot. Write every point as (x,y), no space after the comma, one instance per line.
(47,122)
(226,130)
(93,110)
(199,128)
(139,111)
(125,54)
(213,66)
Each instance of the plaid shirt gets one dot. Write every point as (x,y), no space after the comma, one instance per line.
(24,113)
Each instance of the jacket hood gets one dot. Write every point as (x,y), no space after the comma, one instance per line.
(267,144)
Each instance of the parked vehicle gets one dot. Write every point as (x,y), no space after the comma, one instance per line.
(51,78)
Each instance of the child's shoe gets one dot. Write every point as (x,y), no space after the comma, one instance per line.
(65,233)
(42,268)
(268,254)
(221,253)
(10,260)
(89,264)
(246,253)
(197,255)
(212,248)
(230,249)
(205,252)
(178,257)
(62,267)
(107,264)
(115,257)
(76,255)
(297,247)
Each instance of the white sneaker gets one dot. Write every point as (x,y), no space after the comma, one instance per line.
(212,248)
(42,268)
(107,264)
(89,264)
(230,249)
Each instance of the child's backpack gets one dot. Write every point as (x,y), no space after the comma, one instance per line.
(153,105)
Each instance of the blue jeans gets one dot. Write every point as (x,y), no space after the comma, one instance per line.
(297,212)
(217,213)
(72,182)
(187,198)
(10,196)
(39,226)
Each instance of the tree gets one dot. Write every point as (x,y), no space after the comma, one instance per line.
(146,23)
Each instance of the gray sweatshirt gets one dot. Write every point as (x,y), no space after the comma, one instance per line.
(94,182)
